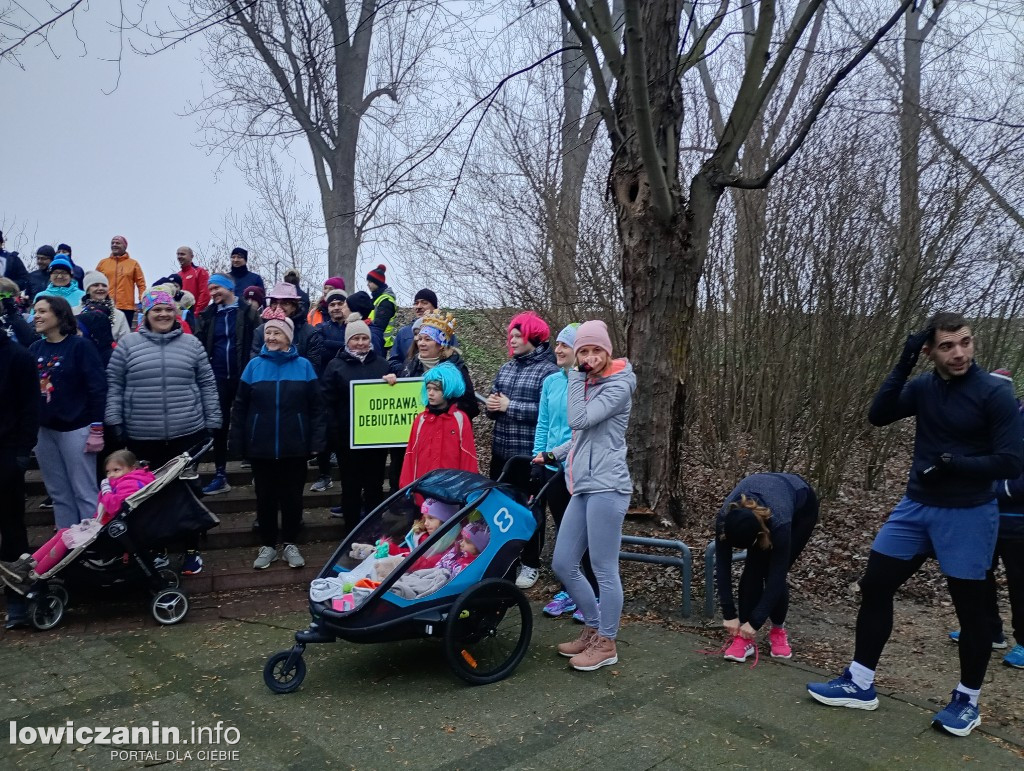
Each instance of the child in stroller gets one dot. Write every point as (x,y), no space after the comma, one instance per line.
(124,476)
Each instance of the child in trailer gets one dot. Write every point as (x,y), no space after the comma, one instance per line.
(435,514)
(441,435)
(125,476)
(472,540)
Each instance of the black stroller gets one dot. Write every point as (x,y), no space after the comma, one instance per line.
(123,551)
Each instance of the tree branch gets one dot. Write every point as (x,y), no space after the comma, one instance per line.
(601,91)
(636,71)
(817,105)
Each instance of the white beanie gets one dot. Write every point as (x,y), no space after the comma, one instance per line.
(94,277)
(355,326)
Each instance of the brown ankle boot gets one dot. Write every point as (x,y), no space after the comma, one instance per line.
(600,653)
(578,645)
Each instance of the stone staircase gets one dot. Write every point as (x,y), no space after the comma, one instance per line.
(230,548)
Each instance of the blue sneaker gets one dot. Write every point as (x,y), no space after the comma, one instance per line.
(843,692)
(959,717)
(1015,658)
(999,644)
(219,484)
(193,564)
(562,603)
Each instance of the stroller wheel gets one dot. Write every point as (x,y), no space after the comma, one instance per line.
(282,678)
(56,587)
(169,606)
(170,578)
(488,631)
(46,612)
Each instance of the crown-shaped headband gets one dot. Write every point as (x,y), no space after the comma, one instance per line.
(444,322)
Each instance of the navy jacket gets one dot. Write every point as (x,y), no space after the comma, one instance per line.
(14,269)
(278,411)
(972,417)
(1010,494)
(333,334)
(245,278)
(71,395)
(787,495)
(228,353)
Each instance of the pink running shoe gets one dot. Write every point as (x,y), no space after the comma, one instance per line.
(779,643)
(739,649)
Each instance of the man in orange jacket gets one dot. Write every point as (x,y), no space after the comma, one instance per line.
(124,275)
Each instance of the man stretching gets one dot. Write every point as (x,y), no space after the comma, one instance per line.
(967,436)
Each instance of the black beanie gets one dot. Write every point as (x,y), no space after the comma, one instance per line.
(64,248)
(47,251)
(426,294)
(741,527)
(174,278)
(361,303)
(240,252)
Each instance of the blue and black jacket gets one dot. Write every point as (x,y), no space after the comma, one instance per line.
(972,417)
(278,411)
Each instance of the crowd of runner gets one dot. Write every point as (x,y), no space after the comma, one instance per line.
(93,363)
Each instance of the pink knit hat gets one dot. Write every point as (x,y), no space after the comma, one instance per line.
(276,318)
(593,333)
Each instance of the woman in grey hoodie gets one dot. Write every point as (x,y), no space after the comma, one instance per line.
(600,398)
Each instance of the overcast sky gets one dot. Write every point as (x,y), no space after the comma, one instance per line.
(81,166)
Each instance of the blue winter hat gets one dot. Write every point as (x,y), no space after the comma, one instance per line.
(219,279)
(448,375)
(568,334)
(61,263)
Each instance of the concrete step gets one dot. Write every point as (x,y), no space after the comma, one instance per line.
(240,498)
(231,569)
(236,476)
(235,530)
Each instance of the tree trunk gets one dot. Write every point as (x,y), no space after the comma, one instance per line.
(909,236)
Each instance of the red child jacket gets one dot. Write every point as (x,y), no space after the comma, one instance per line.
(439,441)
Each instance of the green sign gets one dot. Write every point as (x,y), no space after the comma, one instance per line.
(382,414)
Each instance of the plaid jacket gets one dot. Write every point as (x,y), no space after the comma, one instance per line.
(520,379)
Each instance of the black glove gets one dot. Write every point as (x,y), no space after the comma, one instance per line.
(119,433)
(912,348)
(23,462)
(937,471)
(537,473)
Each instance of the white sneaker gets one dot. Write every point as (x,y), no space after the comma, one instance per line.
(267,555)
(322,484)
(292,557)
(527,577)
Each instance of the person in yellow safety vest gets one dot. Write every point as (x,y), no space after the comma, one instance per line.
(384,305)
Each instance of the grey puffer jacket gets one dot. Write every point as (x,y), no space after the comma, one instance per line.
(598,416)
(161,387)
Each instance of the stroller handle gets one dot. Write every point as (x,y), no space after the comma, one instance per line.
(198,451)
(537,497)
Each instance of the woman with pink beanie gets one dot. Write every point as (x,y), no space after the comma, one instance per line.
(600,398)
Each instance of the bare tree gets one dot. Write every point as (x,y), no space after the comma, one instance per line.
(325,71)
(665,232)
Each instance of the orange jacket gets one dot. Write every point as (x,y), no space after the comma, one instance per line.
(124,275)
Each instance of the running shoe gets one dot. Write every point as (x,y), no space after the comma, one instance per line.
(561,603)
(527,577)
(739,649)
(193,564)
(219,484)
(959,718)
(577,616)
(779,643)
(843,692)
(999,644)
(323,483)
(267,554)
(1015,658)
(292,556)
(47,503)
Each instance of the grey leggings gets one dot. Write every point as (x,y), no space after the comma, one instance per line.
(593,521)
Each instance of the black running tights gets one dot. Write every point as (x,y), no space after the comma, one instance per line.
(884,575)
